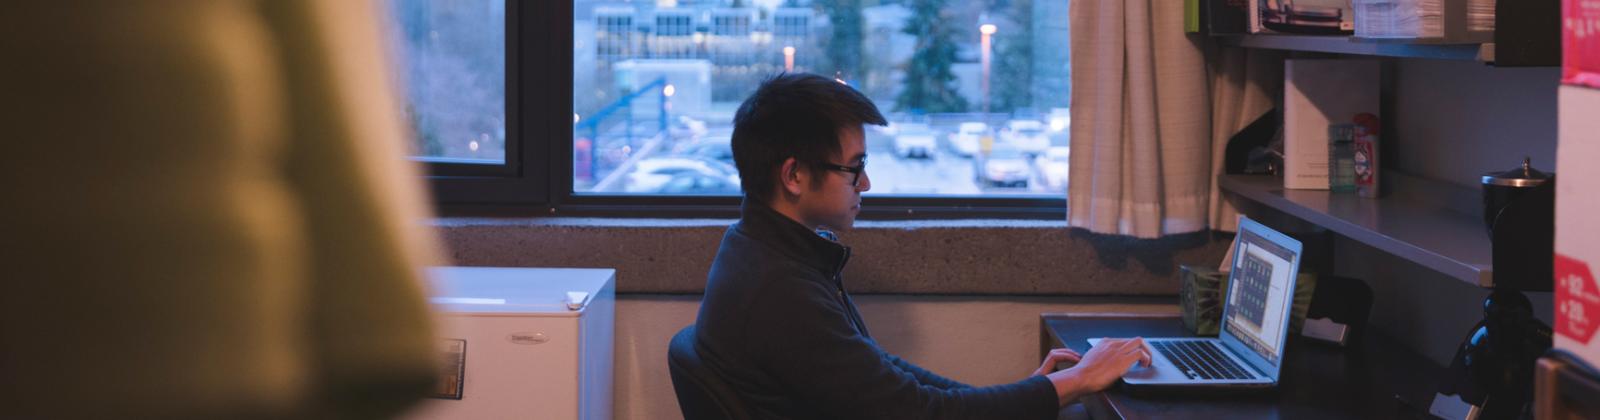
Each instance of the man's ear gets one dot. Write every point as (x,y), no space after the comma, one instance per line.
(792,177)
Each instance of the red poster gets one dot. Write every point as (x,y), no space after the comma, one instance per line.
(1577,299)
(1580,42)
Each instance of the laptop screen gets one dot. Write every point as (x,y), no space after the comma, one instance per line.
(1259,287)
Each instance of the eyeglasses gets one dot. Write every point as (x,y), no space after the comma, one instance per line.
(855,171)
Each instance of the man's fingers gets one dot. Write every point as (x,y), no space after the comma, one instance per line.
(1136,348)
(1132,350)
(1062,355)
(1144,351)
(1124,343)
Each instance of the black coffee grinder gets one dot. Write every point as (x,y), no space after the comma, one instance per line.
(1491,376)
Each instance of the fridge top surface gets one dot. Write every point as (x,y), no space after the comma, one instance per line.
(517,290)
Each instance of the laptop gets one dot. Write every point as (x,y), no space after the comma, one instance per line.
(1248,353)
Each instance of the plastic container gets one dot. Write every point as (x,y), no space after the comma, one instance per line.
(1366,155)
(1341,157)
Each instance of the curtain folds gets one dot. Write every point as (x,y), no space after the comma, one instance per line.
(1151,118)
(1245,84)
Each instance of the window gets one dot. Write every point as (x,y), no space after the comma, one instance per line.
(976,93)
(452,56)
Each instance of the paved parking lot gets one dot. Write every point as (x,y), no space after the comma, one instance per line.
(942,172)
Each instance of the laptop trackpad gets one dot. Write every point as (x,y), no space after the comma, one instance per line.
(1138,371)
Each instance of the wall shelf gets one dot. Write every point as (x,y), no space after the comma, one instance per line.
(1345,45)
(1527,33)
(1405,222)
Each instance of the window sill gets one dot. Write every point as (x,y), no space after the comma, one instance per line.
(936,257)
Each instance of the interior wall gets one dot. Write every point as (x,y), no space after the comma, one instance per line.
(1459,119)
(961,298)
(1455,121)
(976,340)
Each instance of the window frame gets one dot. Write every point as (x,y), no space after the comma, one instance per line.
(536,179)
(523,180)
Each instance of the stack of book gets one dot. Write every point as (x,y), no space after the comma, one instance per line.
(1441,20)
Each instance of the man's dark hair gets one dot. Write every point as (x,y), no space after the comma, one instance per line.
(794,115)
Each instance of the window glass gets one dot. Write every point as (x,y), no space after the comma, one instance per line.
(976,91)
(451,57)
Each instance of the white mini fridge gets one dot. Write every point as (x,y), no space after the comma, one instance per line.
(522,343)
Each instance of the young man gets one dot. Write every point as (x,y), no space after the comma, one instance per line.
(776,322)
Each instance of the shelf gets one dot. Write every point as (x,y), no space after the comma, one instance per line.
(1345,45)
(1526,34)
(1401,223)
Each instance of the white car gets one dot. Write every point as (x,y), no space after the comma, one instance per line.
(915,141)
(656,174)
(1053,168)
(1004,166)
(965,141)
(887,129)
(686,127)
(1026,135)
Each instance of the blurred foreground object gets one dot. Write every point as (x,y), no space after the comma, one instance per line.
(207,214)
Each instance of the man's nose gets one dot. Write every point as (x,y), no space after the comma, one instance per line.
(866,182)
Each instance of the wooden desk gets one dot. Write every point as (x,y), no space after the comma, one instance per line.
(1382,380)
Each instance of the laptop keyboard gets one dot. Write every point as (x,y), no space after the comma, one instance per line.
(1200,359)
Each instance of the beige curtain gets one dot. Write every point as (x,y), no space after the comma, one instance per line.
(1151,116)
(207,214)
(1245,84)
(1141,146)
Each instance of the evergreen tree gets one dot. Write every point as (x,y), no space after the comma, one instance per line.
(929,86)
(843,45)
(1012,77)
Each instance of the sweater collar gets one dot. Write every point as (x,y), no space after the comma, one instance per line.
(816,248)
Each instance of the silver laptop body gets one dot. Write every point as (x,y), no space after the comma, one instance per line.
(1255,321)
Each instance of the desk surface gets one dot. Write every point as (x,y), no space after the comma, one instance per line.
(1382,380)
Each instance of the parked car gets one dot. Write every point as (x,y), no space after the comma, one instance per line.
(661,174)
(714,146)
(915,141)
(692,183)
(1027,135)
(686,127)
(1003,166)
(887,129)
(965,141)
(1053,168)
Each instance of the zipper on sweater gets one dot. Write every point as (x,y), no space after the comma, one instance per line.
(838,276)
(838,284)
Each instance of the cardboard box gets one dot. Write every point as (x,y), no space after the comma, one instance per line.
(1577,294)
(1580,42)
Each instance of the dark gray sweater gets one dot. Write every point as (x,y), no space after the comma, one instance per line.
(777,324)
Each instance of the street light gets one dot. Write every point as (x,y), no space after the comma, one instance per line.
(987,30)
(788,58)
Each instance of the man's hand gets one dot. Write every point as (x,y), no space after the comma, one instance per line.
(1099,368)
(1055,357)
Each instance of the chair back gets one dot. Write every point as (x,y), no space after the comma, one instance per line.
(702,395)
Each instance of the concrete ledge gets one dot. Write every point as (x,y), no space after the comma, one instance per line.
(938,257)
